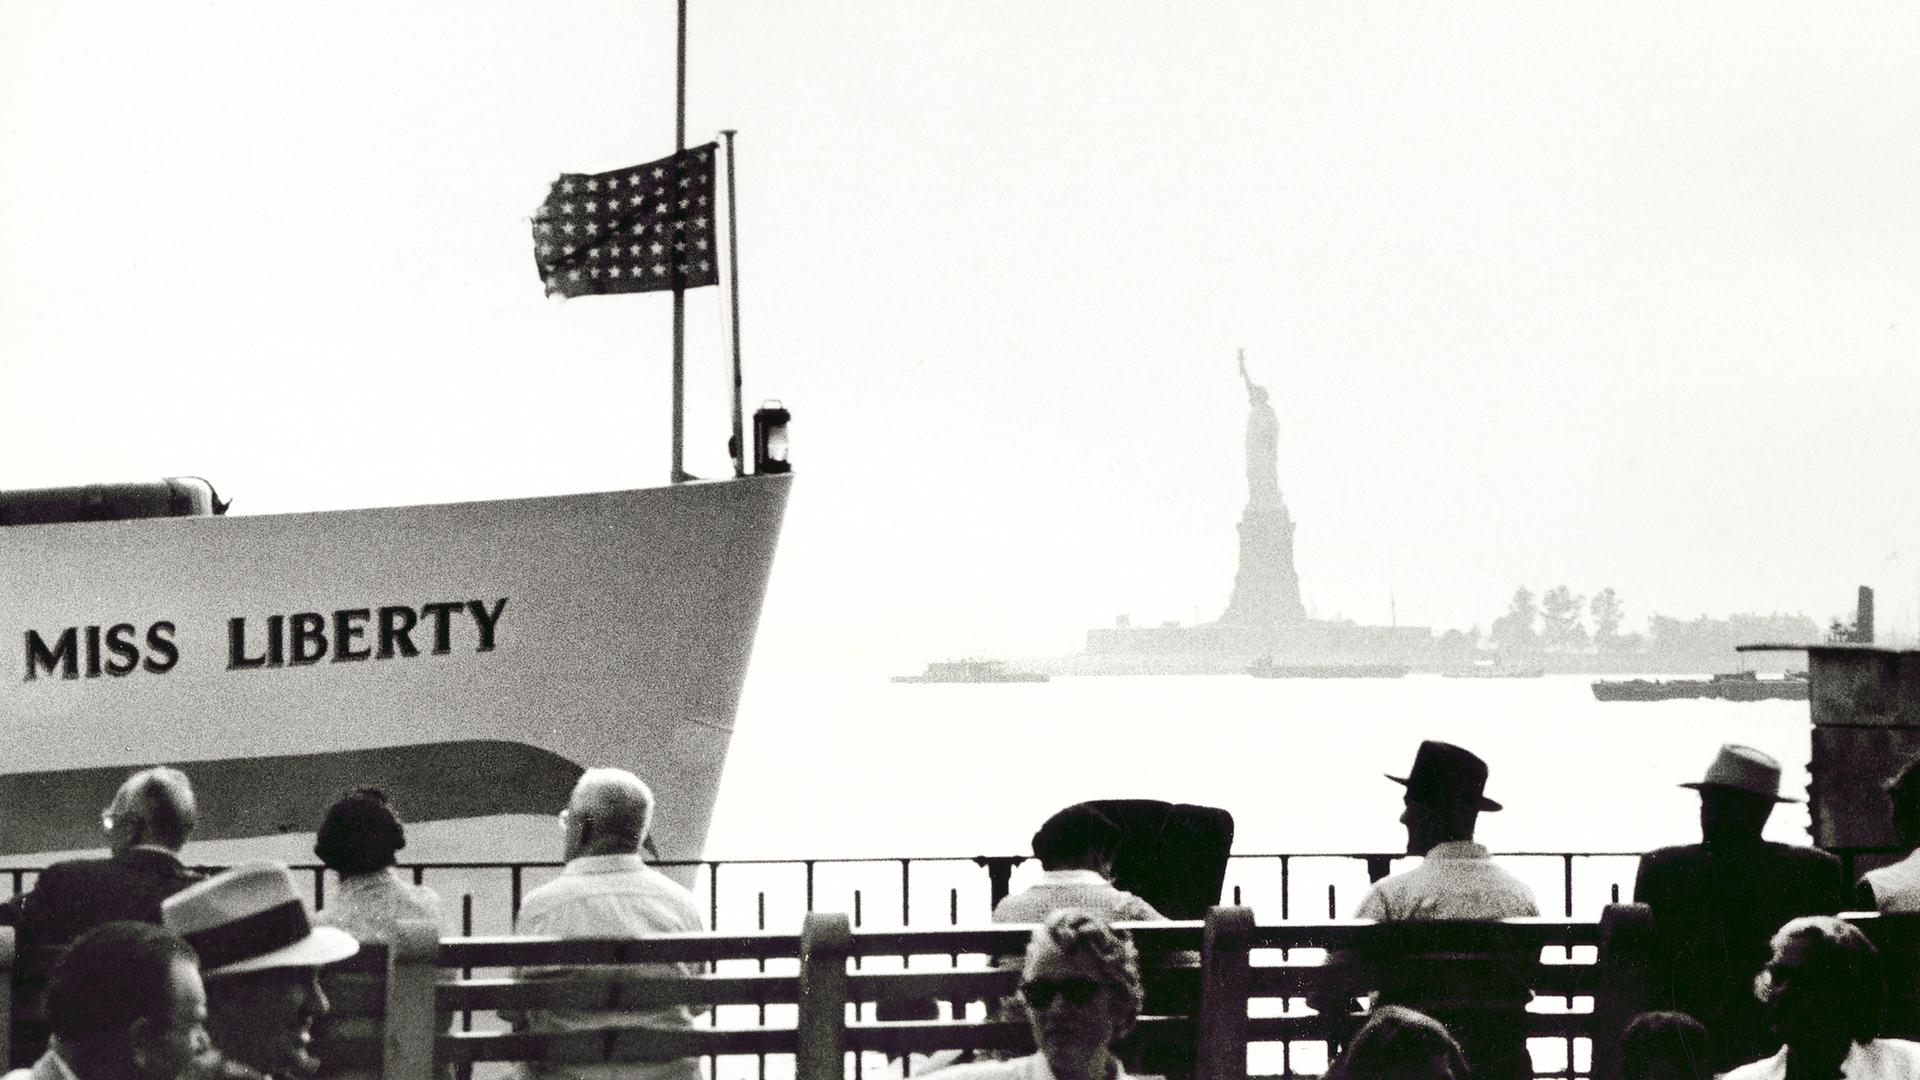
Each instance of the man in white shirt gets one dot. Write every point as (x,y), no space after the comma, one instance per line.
(1445,796)
(1076,848)
(1823,992)
(607,891)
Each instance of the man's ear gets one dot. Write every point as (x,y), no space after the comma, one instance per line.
(140,1042)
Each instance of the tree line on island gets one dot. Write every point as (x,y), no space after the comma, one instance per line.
(1562,623)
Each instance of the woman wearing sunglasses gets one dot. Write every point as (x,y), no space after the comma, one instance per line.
(1081,988)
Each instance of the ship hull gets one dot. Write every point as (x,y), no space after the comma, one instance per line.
(1724,690)
(471,659)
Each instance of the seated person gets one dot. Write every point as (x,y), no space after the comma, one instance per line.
(1398,1043)
(1822,992)
(1081,987)
(358,840)
(1897,887)
(1075,848)
(1665,1046)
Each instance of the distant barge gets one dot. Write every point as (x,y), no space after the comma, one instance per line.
(970,671)
(1737,686)
(1267,669)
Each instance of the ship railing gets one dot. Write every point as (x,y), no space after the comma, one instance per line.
(912,891)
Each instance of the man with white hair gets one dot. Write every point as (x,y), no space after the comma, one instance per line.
(147,824)
(606,891)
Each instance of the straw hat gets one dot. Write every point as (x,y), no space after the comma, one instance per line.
(1447,775)
(251,919)
(1742,768)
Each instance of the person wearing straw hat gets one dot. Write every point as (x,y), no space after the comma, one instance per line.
(1896,888)
(260,955)
(1716,904)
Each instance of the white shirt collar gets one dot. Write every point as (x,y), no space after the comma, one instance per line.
(1457,849)
(1072,877)
(604,864)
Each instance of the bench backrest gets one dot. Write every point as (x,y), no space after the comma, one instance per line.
(392,1005)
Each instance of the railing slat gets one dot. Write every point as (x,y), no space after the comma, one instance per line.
(826,943)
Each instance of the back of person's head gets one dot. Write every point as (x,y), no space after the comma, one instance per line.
(1665,1046)
(113,975)
(616,808)
(360,834)
(1398,1043)
(1903,791)
(1824,976)
(1079,837)
(154,806)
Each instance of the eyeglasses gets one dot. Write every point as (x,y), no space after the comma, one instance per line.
(1078,991)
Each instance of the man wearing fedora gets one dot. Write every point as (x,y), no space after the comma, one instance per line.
(260,955)
(1716,904)
(1456,879)
(126,1003)
(1446,793)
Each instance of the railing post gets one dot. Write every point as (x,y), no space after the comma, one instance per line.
(411,1025)
(999,875)
(7,961)
(1623,982)
(826,941)
(1224,981)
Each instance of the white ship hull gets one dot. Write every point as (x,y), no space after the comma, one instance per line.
(282,659)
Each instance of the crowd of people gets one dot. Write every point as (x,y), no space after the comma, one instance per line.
(167,974)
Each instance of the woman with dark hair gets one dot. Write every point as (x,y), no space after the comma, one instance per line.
(1823,992)
(1398,1043)
(358,841)
(1081,988)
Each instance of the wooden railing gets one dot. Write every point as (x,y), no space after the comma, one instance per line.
(395,1008)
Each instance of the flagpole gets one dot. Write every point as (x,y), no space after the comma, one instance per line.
(679,294)
(733,300)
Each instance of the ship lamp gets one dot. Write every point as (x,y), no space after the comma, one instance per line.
(770,438)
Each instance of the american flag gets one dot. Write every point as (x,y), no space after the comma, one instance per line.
(638,229)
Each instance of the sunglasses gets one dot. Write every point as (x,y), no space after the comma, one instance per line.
(1040,993)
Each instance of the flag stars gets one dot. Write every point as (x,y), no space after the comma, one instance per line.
(613,183)
(701,244)
(634,200)
(567,228)
(566,208)
(593,185)
(592,229)
(633,249)
(613,272)
(566,187)
(591,206)
(705,265)
(573,275)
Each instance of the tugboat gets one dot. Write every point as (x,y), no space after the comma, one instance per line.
(970,671)
(1732,686)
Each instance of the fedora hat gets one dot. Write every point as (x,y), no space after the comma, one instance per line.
(251,919)
(1742,768)
(1447,775)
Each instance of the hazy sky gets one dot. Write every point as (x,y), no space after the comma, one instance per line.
(1606,294)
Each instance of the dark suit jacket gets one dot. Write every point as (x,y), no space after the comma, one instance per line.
(73,897)
(1713,912)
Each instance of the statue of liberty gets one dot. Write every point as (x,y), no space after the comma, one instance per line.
(1266,592)
(1263,441)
